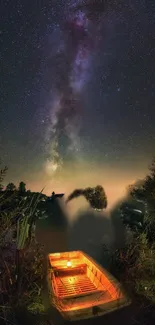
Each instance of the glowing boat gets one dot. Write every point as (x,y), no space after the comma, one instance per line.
(79,288)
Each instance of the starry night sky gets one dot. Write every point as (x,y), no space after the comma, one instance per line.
(77,91)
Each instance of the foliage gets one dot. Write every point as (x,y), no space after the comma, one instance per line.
(22,187)
(11,187)
(132,217)
(6,217)
(1,187)
(2,174)
(135,267)
(36,307)
(30,291)
(21,259)
(146,194)
(134,264)
(95,196)
(138,212)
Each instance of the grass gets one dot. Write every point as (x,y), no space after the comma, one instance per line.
(31,284)
(134,267)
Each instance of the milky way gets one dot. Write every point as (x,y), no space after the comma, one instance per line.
(71,66)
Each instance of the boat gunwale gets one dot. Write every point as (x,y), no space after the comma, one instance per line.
(114,303)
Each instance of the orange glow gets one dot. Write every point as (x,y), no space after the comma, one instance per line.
(77,275)
(69,264)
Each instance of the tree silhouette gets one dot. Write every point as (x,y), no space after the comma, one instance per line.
(96,196)
(1,187)
(132,217)
(22,187)
(2,175)
(11,187)
(132,211)
(145,193)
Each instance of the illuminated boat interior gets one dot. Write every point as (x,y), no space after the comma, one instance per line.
(77,282)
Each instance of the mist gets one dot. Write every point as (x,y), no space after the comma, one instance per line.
(94,232)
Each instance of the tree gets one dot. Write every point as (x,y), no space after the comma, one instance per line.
(145,193)
(22,187)
(132,217)
(1,187)
(2,175)
(10,187)
(132,210)
(96,196)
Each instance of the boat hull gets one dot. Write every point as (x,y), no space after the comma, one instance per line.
(79,288)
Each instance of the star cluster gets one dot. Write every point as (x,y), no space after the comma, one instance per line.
(72,63)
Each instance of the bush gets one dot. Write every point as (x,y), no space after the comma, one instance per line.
(21,278)
(135,267)
(31,284)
